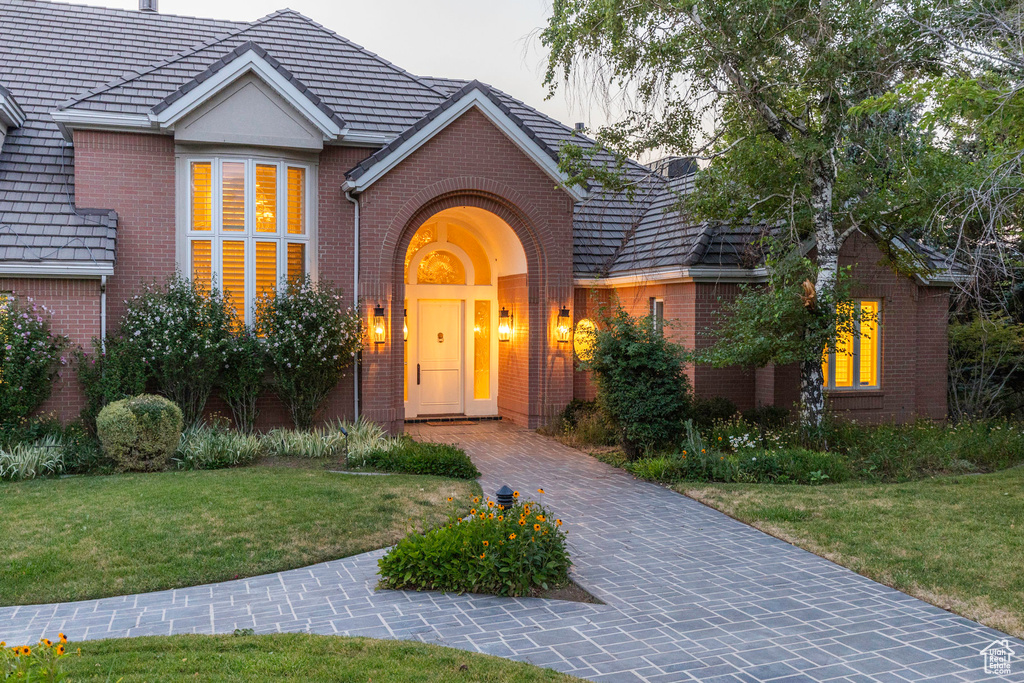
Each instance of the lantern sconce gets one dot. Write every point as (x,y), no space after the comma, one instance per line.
(563,326)
(405,324)
(504,325)
(380,328)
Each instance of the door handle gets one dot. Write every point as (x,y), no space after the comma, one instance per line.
(417,374)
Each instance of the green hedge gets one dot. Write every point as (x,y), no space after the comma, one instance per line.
(413,457)
(140,433)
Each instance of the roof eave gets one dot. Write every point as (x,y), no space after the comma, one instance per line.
(55,269)
(712,274)
(11,113)
(70,120)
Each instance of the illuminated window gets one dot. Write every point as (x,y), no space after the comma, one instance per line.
(658,315)
(482,349)
(247,227)
(857,358)
(441,268)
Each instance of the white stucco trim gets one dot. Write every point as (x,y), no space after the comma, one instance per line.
(249,62)
(55,270)
(495,115)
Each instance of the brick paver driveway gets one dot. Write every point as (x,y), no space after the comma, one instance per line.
(689,592)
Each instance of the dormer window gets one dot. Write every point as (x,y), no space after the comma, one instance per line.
(248,226)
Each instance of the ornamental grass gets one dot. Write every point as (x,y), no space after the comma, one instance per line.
(502,551)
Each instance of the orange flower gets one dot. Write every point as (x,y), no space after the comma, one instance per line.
(60,649)
(702,450)
(47,642)
(490,503)
(476,499)
(544,532)
(536,527)
(501,507)
(483,555)
(684,454)
(515,494)
(486,543)
(540,518)
(490,516)
(501,518)
(472,511)
(449,499)
(511,537)
(522,522)
(540,491)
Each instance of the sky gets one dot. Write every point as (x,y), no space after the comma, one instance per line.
(494,41)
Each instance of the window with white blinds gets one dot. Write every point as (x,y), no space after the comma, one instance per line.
(248,226)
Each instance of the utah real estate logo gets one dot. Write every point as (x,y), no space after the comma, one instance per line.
(998,658)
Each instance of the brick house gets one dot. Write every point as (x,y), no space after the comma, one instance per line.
(134,144)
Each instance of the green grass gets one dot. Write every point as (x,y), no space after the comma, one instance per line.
(953,541)
(291,657)
(90,537)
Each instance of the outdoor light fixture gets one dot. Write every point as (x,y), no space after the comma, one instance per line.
(405,324)
(563,326)
(380,327)
(506,496)
(583,340)
(504,325)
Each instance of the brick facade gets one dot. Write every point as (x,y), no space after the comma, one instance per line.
(914,342)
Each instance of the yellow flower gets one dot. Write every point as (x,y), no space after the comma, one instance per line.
(536,527)
(60,649)
(490,516)
(515,494)
(47,642)
(486,543)
(63,638)
(483,555)
(558,522)
(472,511)
(545,532)
(501,518)
(702,450)
(684,453)
(540,518)
(490,503)
(26,650)
(541,491)
(476,499)
(522,522)
(511,537)
(449,499)
(719,438)
(501,507)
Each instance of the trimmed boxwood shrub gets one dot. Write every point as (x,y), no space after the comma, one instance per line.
(412,457)
(140,433)
(494,550)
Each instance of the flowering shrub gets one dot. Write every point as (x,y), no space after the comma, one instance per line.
(243,377)
(140,433)
(41,662)
(30,359)
(311,339)
(181,334)
(212,447)
(495,550)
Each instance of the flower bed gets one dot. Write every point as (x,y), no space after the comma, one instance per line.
(510,552)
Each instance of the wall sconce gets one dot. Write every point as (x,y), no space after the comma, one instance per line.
(380,327)
(504,325)
(563,326)
(405,324)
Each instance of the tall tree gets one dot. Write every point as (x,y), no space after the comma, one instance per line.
(763,90)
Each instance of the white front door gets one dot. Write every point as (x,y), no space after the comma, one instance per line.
(440,356)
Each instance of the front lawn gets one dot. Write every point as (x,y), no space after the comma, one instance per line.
(291,657)
(955,542)
(90,537)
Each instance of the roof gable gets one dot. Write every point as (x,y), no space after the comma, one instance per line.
(473,95)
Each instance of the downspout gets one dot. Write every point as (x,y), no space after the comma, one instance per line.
(355,296)
(103,313)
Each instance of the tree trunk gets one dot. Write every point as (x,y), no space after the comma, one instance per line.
(812,392)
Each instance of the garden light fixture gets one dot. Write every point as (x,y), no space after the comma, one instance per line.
(505,497)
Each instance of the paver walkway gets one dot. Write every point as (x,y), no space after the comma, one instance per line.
(690,594)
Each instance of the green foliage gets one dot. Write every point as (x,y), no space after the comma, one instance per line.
(365,437)
(181,334)
(640,381)
(500,551)
(40,662)
(771,323)
(140,433)
(30,359)
(766,417)
(312,337)
(986,355)
(243,377)
(28,460)
(80,451)
(108,375)
(316,444)
(412,457)
(707,411)
(213,447)
(582,424)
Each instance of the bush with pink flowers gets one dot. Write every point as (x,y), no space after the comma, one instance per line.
(31,357)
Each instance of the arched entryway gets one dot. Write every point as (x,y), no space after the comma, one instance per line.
(462,317)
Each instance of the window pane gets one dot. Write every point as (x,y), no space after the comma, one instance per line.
(844,361)
(266,198)
(233,196)
(202,265)
(824,369)
(869,341)
(296,201)
(296,262)
(202,195)
(266,267)
(441,268)
(482,349)
(233,275)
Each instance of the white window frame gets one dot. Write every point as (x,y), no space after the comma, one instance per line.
(216,235)
(830,381)
(658,314)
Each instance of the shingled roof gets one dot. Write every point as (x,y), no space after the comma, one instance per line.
(71,58)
